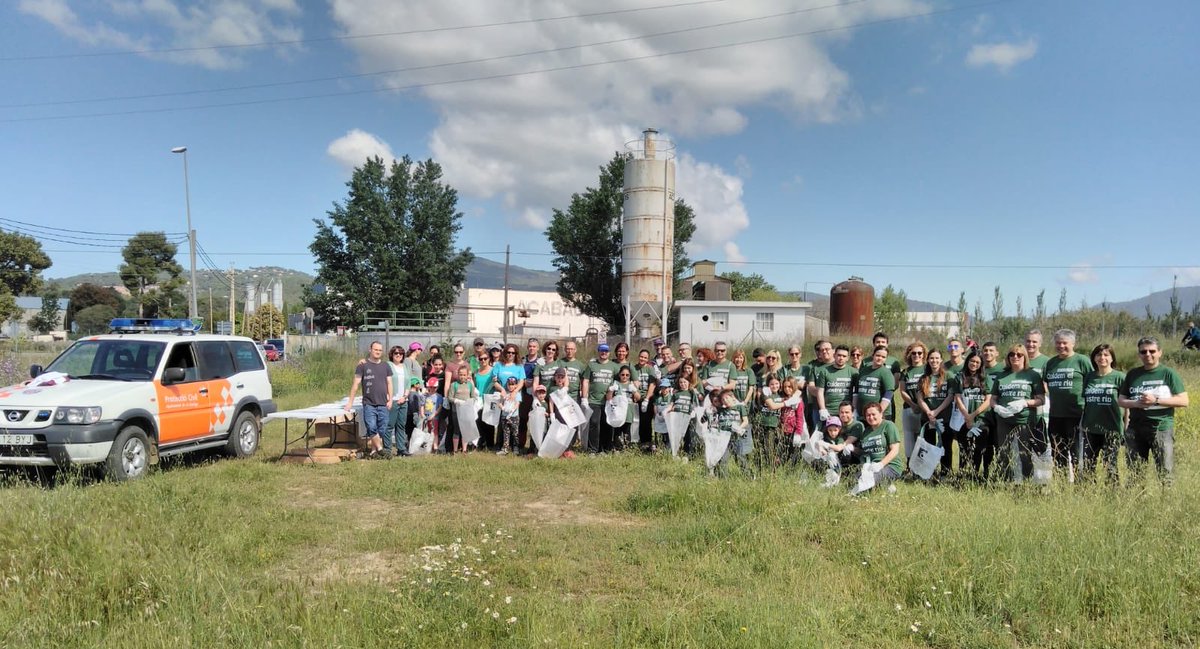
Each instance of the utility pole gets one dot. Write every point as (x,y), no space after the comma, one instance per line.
(232,293)
(506,255)
(210,321)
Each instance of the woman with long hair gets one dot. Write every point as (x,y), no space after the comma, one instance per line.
(971,389)
(910,379)
(1016,396)
(742,378)
(935,403)
(1103,424)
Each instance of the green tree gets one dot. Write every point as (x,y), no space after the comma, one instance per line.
(87,294)
(152,275)
(22,261)
(586,239)
(1062,301)
(94,320)
(1039,311)
(997,304)
(48,318)
(891,311)
(389,246)
(742,287)
(266,322)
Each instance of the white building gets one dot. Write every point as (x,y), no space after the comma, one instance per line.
(703,322)
(31,306)
(948,323)
(543,314)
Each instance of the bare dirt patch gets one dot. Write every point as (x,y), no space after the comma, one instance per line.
(572,512)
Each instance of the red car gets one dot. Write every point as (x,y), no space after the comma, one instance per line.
(270,352)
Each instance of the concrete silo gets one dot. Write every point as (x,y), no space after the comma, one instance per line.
(648,234)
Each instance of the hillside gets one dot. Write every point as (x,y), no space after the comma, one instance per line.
(293,281)
(1160,302)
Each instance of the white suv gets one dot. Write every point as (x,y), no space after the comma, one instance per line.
(152,388)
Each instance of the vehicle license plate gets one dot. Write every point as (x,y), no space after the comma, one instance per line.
(16,440)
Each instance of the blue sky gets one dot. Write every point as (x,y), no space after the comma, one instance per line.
(936,145)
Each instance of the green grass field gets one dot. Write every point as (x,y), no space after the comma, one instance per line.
(627,551)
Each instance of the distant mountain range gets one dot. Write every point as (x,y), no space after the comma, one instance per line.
(485,273)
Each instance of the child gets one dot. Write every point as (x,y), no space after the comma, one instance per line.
(509,411)
(431,410)
(462,389)
(767,426)
(828,450)
(623,385)
(662,400)
(685,402)
(791,419)
(562,383)
(730,415)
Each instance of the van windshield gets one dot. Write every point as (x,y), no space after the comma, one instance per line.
(110,360)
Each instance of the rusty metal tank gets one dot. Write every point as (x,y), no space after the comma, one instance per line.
(648,227)
(852,308)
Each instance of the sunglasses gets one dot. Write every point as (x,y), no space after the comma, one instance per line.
(1147,352)
(953,346)
(793,353)
(916,353)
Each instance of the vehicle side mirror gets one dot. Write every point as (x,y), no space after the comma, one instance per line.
(34,371)
(173,375)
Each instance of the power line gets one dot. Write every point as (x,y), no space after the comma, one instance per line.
(75,241)
(508,75)
(118,235)
(330,39)
(419,68)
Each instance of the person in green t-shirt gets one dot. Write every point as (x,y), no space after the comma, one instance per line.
(646,375)
(834,384)
(600,374)
(935,405)
(1016,392)
(574,367)
(1037,362)
(1064,374)
(715,374)
(879,444)
(1103,421)
(1152,392)
(625,386)
(954,358)
(685,400)
(875,383)
(731,416)
(970,390)
(742,378)
(823,350)
(772,451)
(910,397)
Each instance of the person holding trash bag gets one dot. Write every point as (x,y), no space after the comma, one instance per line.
(731,416)
(622,387)
(910,394)
(646,376)
(971,390)
(935,404)
(1152,392)
(1016,395)
(880,445)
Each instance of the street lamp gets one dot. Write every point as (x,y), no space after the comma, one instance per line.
(187,198)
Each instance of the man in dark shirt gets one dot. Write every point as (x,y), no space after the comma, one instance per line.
(375,377)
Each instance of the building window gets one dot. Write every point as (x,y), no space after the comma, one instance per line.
(720,320)
(764,321)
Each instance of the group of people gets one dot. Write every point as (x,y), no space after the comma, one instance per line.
(846,406)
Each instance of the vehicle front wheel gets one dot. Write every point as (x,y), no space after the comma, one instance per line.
(243,438)
(129,458)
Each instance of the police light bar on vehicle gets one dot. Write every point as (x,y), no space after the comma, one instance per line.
(153,325)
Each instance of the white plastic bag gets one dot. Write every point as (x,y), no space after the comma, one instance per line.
(811,451)
(557,439)
(635,432)
(537,424)
(1043,467)
(677,425)
(660,419)
(716,443)
(616,410)
(926,458)
(491,408)
(465,412)
(567,408)
(866,478)
(421,442)
(957,420)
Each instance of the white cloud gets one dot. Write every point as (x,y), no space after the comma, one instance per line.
(530,141)
(980,25)
(1004,56)
(733,254)
(1082,274)
(169,24)
(352,149)
(1186,276)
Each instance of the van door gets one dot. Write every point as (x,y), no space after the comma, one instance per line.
(184,408)
(216,368)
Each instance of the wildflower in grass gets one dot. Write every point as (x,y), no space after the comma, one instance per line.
(512,620)
(464,625)
(508,599)
(495,615)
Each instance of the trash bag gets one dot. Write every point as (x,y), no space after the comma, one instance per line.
(557,439)
(635,429)
(659,426)
(421,442)
(491,408)
(1043,467)
(716,443)
(811,451)
(537,424)
(677,426)
(866,478)
(926,458)
(464,411)
(568,409)
(616,410)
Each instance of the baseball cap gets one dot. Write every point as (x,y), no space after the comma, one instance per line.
(432,382)
(415,347)
(658,342)
(540,388)
(511,380)
(833,421)
(562,371)
(479,341)
(602,348)
(414,381)
(496,346)
(664,383)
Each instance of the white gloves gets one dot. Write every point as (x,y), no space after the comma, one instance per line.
(797,440)
(824,415)
(941,426)
(974,432)
(1017,406)
(1002,411)
(847,449)
(645,404)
